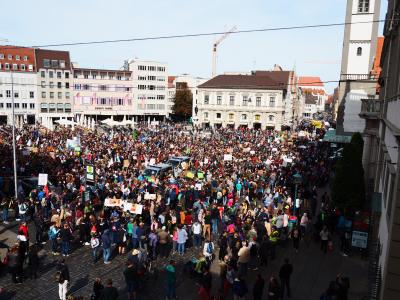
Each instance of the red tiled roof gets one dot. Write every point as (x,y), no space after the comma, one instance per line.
(264,81)
(171,81)
(21,52)
(376,69)
(42,54)
(314,91)
(310,81)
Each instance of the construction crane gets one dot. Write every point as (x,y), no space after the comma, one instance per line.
(214,51)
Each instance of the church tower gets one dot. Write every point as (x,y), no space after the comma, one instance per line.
(359,42)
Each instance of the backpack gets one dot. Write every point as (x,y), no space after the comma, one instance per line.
(210,248)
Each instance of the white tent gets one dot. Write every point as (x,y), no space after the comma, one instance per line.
(66,122)
(93,124)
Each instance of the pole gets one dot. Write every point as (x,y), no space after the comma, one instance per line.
(13,138)
(295,200)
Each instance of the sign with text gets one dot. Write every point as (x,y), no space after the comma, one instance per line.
(359,239)
(90,173)
(43,179)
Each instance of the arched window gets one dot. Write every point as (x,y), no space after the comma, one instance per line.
(271,117)
(359,51)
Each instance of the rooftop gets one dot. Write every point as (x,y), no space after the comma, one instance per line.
(310,81)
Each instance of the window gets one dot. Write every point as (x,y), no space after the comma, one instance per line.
(59,85)
(103,87)
(30,67)
(43,107)
(8,105)
(9,57)
(1,56)
(258,101)
(245,99)
(1,105)
(206,99)
(8,94)
(42,74)
(16,95)
(359,51)
(17,57)
(15,67)
(120,101)
(257,118)
(25,58)
(151,87)
(51,84)
(231,100)
(141,87)
(363,6)
(67,75)
(160,97)
(23,68)
(271,118)
(86,87)
(231,116)
(151,68)
(205,115)
(151,77)
(32,105)
(58,74)
(218,115)
(46,63)
(51,95)
(54,63)
(244,117)
(86,76)
(141,77)
(67,107)
(103,101)
(161,69)
(60,107)
(16,105)
(43,94)
(62,64)
(1,94)
(67,95)
(142,68)
(51,74)
(52,107)
(272,101)
(24,105)
(31,95)
(7,66)
(67,85)
(219,100)
(119,77)
(77,87)
(59,95)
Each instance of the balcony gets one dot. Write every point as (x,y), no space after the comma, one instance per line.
(370,108)
(359,77)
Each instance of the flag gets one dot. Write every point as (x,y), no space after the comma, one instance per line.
(46,190)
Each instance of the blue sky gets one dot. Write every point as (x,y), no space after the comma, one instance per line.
(315,52)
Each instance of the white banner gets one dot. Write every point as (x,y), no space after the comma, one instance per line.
(43,179)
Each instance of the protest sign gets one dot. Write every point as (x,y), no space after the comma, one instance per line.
(227,157)
(200,175)
(149,196)
(190,174)
(42,179)
(126,163)
(112,202)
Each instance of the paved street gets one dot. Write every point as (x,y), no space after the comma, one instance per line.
(313,270)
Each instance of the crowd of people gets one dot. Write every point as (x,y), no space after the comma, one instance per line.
(241,193)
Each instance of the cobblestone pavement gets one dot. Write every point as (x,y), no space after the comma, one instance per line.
(313,271)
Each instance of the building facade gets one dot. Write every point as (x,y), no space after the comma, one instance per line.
(359,49)
(150,89)
(54,77)
(240,100)
(102,94)
(183,81)
(314,86)
(18,81)
(381,153)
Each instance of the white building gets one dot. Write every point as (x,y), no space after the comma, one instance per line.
(54,84)
(310,106)
(150,88)
(240,100)
(315,86)
(183,81)
(102,94)
(359,49)
(18,80)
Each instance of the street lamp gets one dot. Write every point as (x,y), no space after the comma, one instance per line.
(297,180)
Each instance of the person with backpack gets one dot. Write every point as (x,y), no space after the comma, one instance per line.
(22,210)
(53,235)
(208,250)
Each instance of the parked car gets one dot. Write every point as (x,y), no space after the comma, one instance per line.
(159,170)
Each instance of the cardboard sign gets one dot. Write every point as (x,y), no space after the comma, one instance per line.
(200,175)
(148,196)
(90,173)
(198,186)
(136,209)
(43,179)
(190,174)
(228,157)
(126,163)
(359,239)
(152,161)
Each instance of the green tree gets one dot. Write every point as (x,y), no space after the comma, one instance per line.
(183,102)
(348,190)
